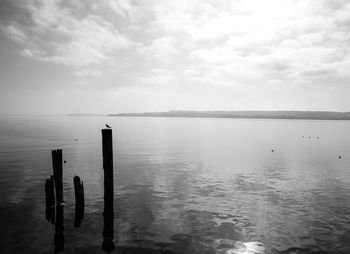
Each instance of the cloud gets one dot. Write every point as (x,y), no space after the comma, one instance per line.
(250,42)
(160,48)
(123,8)
(292,42)
(319,71)
(57,34)
(87,73)
(14,33)
(27,53)
(90,42)
(158,76)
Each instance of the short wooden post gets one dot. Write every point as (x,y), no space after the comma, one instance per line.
(108,213)
(57,173)
(79,201)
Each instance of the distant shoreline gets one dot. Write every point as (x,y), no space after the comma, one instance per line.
(302,115)
(85,114)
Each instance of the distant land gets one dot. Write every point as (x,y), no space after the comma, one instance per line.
(86,114)
(312,115)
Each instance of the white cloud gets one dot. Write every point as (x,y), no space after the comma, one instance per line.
(27,53)
(194,43)
(158,76)
(160,48)
(122,7)
(60,36)
(283,40)
(222,25)
(47,13)
(87,73)
(14,33)
(91,41)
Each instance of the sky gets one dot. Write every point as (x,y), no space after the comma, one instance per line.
(112,56)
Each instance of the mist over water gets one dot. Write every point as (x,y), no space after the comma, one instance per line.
(180,183)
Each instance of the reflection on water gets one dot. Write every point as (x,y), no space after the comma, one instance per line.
(79,201)
(59,237)
(50,200)
(180,185)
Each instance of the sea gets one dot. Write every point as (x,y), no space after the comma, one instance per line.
(181,185)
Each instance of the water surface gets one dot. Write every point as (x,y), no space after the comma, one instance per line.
(180,183)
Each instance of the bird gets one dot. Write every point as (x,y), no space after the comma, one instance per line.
(272,150)
(108,126)
(64,161)
(76,139)
(339,157)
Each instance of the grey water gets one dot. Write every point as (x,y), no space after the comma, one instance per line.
(180,183)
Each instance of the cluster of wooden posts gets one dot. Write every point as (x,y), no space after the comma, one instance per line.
(55,203)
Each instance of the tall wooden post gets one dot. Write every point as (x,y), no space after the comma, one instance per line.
(108,213)
(57,174)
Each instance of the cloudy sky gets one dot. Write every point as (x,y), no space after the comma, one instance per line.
(109,56)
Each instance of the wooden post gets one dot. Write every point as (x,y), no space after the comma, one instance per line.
(108,213)
(50,200)
(57,173)
(79,201)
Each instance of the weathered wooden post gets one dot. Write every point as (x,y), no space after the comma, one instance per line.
(108,213)
(57,174)
(50,200)
(79,201)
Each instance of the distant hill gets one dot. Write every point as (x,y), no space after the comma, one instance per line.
(315,115)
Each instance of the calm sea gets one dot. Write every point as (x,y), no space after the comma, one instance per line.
(180,183)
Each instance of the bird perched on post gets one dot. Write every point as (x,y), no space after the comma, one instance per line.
(108,126)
